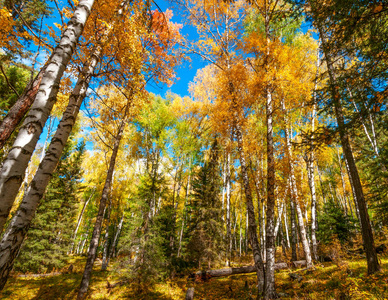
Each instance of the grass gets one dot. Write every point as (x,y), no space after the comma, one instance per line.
(347,280)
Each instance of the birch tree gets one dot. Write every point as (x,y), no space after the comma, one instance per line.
(13,169)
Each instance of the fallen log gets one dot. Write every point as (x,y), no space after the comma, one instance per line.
(204,275)
(68,271)
(299,263)
(119,283)
(39,275)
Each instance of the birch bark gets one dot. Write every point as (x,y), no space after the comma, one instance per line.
(80,219)
(228,225)
(104,264)
(269,292)
(252,228)
(20,108)
(295,199)
(310,171)
(12,172)
(18,228)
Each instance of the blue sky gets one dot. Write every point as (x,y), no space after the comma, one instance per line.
(188,69)
(185,72)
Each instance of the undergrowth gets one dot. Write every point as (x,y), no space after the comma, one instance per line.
(345,280)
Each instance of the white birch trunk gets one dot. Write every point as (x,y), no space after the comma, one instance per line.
(295,197)
(104,264)
(228,225)
(18,228)
(114,243)
(251,219)
(80,219)
(286,228)
(12,172)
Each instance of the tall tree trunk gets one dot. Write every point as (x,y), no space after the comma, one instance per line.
(294,253)
(342,181)
(18,228)
(80,219)
(283,241)
(269,291)
(223,186)
(246,233)
(295,199)
(371,137)
(310,175)
(83,243)
(100,215)
(310,170)
(228,225)
(279,220)
(311,180)
(294,192)
(252,229)
(286,228)
(241,237)
(104,264)
(262,232)
(321,184)
(175,203)
(366,229)
(188,186)
(116,238)
(12,172)
(49,129)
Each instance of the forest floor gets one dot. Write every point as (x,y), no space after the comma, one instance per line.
(345,280)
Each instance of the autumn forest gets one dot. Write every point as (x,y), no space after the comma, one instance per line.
(192,149)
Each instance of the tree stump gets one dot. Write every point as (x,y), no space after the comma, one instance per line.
(190,294)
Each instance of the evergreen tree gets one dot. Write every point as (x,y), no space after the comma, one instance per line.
(333,221)
(146,234)
(15,77)
(205,244)
(49,238)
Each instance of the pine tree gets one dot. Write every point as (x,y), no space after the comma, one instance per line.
(206,226)
(49,237)
(333,221)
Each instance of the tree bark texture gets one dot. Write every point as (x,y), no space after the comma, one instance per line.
(252,228)
(310,175)
(311,180)
(228,223)
(294,254)
(295,199)
(100,215)
(18,228)
(12,172)
(104,264)
(20,108)
(269,290)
